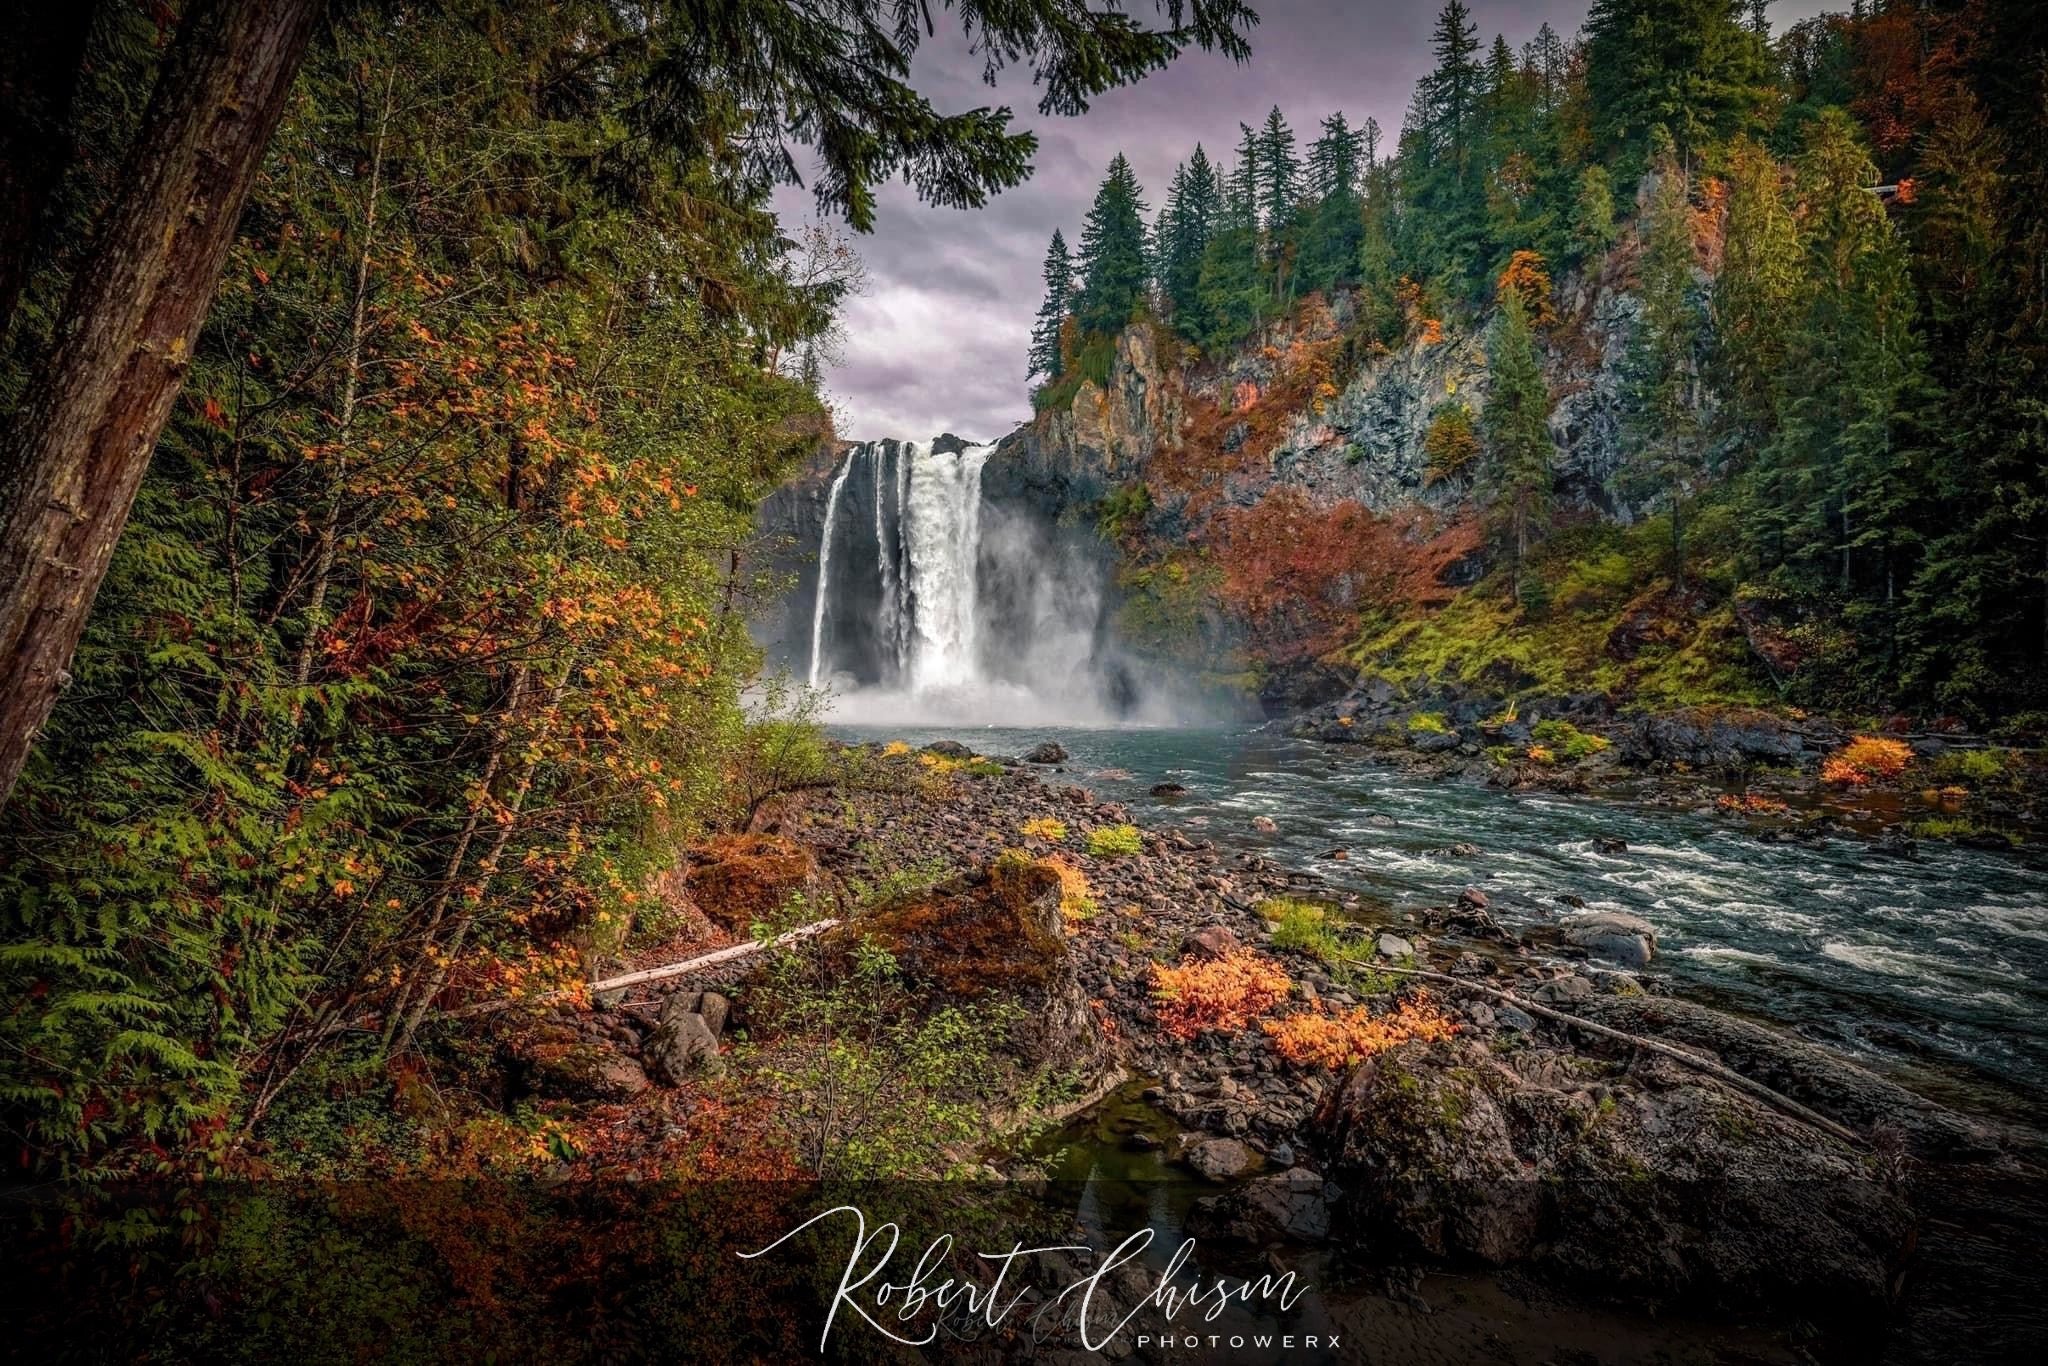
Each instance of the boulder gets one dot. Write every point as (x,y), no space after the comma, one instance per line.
(1219,1159)
(740,879)
(684,1041)
(1609,844)
(1212,941)
(1265,825)
(558,1062)
(1047,752)
(1291,1206)
(1683,1191)
(1627,939)
(1167,792)
(1393,946)
(949,749)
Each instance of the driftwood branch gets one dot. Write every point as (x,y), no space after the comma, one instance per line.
(1719,1071)
(730,954)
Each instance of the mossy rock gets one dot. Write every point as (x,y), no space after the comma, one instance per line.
(738,880)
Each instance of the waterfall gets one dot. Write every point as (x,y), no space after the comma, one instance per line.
(825,567)
(941,526)
(889,621)
(932,603)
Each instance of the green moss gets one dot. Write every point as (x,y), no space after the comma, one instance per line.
(1594,578)
(1123,510)
(1114,841)
(1429,723)
(1566,741)
(1971,766)
(1947,828)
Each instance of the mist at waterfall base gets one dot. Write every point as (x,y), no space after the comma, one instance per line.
(935,605)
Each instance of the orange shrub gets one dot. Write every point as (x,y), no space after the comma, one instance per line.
(1222,994)
(1298,574)
(1312,1038)
(1866,759)
(1751,803)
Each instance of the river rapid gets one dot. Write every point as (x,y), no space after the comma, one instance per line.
(1933,970)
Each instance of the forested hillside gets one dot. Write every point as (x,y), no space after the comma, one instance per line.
(1712,338)
(420,653)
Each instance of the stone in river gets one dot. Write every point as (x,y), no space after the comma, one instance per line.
(1049,752)
(1628,939)
(1168,791)
(1265,825)
(1609,844)
(1220,1159)
(949,749)
(1473,899)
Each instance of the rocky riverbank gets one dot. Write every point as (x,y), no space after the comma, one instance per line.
(1780,771)
(1513,1139)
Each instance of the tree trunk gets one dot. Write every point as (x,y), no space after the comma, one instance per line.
(96,403)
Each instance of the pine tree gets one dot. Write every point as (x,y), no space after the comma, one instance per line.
(1455,85)
(1593,229)
(1114,269)
(1046,356)
(1689,65)
(1329,249)
(1662,376)
(1757,294)
(1547,62)
(1279,200)
(1518,477)
(1186,224)
(1827,505)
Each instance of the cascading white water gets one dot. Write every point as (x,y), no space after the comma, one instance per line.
(941,524)
(889,621)
(933,605)
(825,568)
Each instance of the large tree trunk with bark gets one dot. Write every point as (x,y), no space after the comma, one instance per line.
(77,448)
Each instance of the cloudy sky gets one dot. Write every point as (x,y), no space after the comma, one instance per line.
(938,342)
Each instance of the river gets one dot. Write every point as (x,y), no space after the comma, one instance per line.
(1934,971)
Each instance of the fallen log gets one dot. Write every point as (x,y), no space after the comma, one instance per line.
(1776,1099)
(729,954)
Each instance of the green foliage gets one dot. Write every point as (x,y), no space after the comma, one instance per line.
(1687,66)
(1113,265)
(1518,474)
(1974,766)
(1451,445)
(1566,741)
(1114,841)
(1428,723)
(868,1084)
(1123,510)
(1046,341)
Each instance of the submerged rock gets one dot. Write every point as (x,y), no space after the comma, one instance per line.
(1220,1159)
(1625,938)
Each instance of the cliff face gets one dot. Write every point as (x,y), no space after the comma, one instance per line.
(1272,425)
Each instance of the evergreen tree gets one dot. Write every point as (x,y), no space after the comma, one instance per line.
(1329,249)
(1827,508)
(1279,171)
(1662,377)
(1516,421)
(1186,224)
(1593,228)
(1114,269)
(1547,62)
(1757,294)
(1455,85)
(1232,288)
(1689,65)
(1046,352)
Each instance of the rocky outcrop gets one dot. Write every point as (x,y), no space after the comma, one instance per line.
(1672,1190)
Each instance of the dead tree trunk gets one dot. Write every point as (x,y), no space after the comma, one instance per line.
(77,448)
